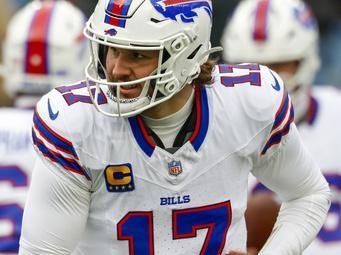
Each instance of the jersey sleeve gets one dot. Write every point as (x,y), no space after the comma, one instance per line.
(283,164)
(258,105)
(57,135)
(58,201)
(55,214)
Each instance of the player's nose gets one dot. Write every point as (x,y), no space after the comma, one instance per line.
(121,69)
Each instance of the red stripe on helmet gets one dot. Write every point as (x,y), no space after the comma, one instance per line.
(259,33)
(37,42)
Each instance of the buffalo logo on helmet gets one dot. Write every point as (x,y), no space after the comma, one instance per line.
(185,9)
(305,16)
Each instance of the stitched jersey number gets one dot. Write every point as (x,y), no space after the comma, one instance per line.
(216,218)
(253,77)
(10,212)
(72,98)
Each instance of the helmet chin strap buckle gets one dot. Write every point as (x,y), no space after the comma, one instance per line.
(171,87)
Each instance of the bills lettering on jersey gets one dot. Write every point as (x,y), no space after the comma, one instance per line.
(175,200)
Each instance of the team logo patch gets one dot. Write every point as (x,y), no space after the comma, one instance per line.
(119,178)
(174,168)
(305,16)
(185,9)
(116,13)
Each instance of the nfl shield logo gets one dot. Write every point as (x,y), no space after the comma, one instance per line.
(174,168)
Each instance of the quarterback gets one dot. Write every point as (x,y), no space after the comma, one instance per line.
(151,153)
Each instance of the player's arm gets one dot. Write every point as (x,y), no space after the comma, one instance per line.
(55,213)
(260,216)
(282,163)
(290,171)
(57,206)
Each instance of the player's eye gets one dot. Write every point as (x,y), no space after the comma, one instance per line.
(138,55)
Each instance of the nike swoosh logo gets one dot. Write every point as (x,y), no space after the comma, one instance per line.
(53,115)
(276,86)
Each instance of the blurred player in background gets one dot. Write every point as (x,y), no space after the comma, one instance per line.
(283,35)
(44,46)
(151,153)
(6,11)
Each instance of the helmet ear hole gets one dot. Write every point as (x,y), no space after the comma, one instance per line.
(171,87)
(178,45)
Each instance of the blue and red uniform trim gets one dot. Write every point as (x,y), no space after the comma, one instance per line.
(202,117)
(285,108)
(62,145)
(200,129)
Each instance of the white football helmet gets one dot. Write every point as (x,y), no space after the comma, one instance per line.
(179,30)
(44,47)
(276,31)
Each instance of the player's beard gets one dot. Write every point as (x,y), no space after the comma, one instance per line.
(132,93)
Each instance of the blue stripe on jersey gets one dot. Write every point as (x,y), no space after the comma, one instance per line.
(277,136)
(52,137)
(280,115)
(202,110)
(67,164)
(140,138)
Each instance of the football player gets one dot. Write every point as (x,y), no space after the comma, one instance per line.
(151,153)
(283,35)
(43,47)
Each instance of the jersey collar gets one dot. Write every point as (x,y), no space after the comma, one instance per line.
(200,129)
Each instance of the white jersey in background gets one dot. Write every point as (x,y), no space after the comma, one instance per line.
(321,133)
(17,159)
(322,136)
(106,188)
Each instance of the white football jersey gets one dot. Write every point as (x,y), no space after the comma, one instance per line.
(145,200)
(322,135)
(17,158)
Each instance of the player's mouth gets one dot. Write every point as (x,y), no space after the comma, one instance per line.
(130,91)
